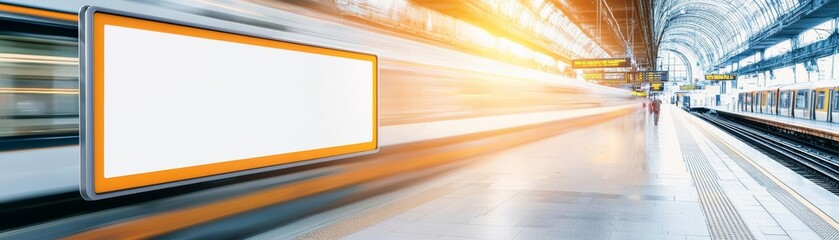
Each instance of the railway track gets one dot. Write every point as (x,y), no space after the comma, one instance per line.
(819,166)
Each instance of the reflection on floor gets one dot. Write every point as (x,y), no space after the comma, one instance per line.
(625,179)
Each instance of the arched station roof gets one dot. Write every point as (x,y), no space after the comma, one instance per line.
(710,29)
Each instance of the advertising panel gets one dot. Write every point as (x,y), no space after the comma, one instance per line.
(192,104)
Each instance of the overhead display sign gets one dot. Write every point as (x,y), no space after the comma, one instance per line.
(653,76)
(169,104)
(638,88)
(613,82)
(656,87)
(601,63)
(691,87)
(639,93)
(593,76)
(607,78)
(720,77)
(617,76)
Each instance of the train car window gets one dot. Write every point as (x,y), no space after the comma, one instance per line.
(836,101)
(784,102)
(820,96)
(801,100)
(39,78)
(771,100)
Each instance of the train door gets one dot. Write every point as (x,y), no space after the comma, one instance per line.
(772,102)
(820,104)
(759,102)
(811,104)
(748,102)
(764,102)
(803,103)
(801,100)
(784,100)
(686,102)
(834,111)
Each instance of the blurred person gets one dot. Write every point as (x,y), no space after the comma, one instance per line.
(656,107)
(650,105)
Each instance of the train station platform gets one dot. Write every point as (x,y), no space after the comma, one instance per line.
(822,129)
(623,179)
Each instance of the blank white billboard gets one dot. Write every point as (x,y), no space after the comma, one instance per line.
(177,102)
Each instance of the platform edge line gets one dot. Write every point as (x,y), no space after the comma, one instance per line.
(772,177)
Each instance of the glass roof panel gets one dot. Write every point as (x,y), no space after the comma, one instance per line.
(727,24)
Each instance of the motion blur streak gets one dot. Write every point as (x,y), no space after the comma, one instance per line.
(446,93)
(38,12)
(23,58)
(39,90)
(352,174)
(38,85)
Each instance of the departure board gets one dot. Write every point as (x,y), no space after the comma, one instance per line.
(601,63)
(593,76)
(612,79)
(615,76)
(720,77)
(691,87)
(656,87)
(653,76)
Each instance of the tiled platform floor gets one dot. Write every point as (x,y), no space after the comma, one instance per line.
(624,179)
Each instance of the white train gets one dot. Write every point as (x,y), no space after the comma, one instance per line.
(813,100)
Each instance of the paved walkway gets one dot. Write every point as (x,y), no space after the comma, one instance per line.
(625,179)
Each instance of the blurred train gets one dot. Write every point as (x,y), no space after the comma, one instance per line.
(39,80)
(813,100)
(420,81)
(435,99)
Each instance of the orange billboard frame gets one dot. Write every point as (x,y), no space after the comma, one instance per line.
(94,183)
